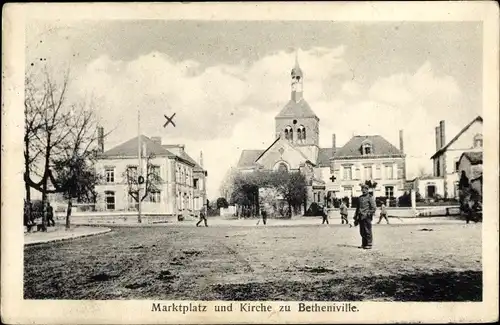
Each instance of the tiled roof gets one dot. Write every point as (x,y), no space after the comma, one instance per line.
(443,149)
(248,158)
(129,148)
(294,109)
(475,157)
(380,147)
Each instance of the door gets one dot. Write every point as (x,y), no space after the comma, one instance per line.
(431,191)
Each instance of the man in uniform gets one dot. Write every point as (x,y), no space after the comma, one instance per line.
(202,218)
(363,217)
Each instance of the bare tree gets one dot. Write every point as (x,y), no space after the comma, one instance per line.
(47,116)
(59,140)
(151,181)
(75,174)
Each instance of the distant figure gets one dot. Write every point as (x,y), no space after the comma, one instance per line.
(50,215)
(324,214)
(264,216)
(344,213)
(464,181)
(202,218)
(383,214)
(363,217)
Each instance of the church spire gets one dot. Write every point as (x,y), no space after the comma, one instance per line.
(297,78)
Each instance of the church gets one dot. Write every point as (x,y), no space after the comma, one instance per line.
(333,171)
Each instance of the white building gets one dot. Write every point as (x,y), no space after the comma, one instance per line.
(182,181)
(447,156)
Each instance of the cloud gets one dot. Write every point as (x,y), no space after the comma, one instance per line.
(423,87)
(224,109)
(351,88)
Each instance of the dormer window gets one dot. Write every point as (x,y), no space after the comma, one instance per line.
(366,148)
(478,141)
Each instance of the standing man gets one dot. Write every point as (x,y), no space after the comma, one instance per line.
(202,218)
(364,215)
(383,214)
(344,213)
(50,215)
(324,214)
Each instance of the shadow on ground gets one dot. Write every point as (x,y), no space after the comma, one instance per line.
(448,286)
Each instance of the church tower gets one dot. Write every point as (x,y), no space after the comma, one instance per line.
(296,81)
(297,122)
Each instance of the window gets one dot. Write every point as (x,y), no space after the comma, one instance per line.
(110,174)
(368,172)
(195,183)
(110,200)
(366,148)
(348,190)
(388,172)
(478,141)
(457,165)
(438,168)
(289,133)
(301,134)
(183,179)
(282,167)
(132,172)
(155,172)
(154,196)
(347,173)
(389,191)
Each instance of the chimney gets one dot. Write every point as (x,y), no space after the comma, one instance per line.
(334,144)
(100,139)
(438,138)
(442,133)
(201,158)
(156,140)
(401,144)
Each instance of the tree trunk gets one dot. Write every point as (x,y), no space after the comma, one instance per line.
(44,204)
(68,212)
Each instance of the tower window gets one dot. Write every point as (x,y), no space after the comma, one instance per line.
(294,121)
(289,133)
(301,134)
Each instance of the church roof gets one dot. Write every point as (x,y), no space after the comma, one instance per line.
(299,109)
(248,158)
(380,147)
(129,149)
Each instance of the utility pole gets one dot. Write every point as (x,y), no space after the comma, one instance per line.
(139,172)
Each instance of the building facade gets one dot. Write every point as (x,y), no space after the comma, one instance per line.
(296,148)
(447,156)
(179,185)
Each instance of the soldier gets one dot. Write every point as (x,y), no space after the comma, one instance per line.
(344,213)
(50,215)
(383,214)
(363,217)
(324,214)
(202,218)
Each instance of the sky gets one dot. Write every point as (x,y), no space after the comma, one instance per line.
(227,80)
